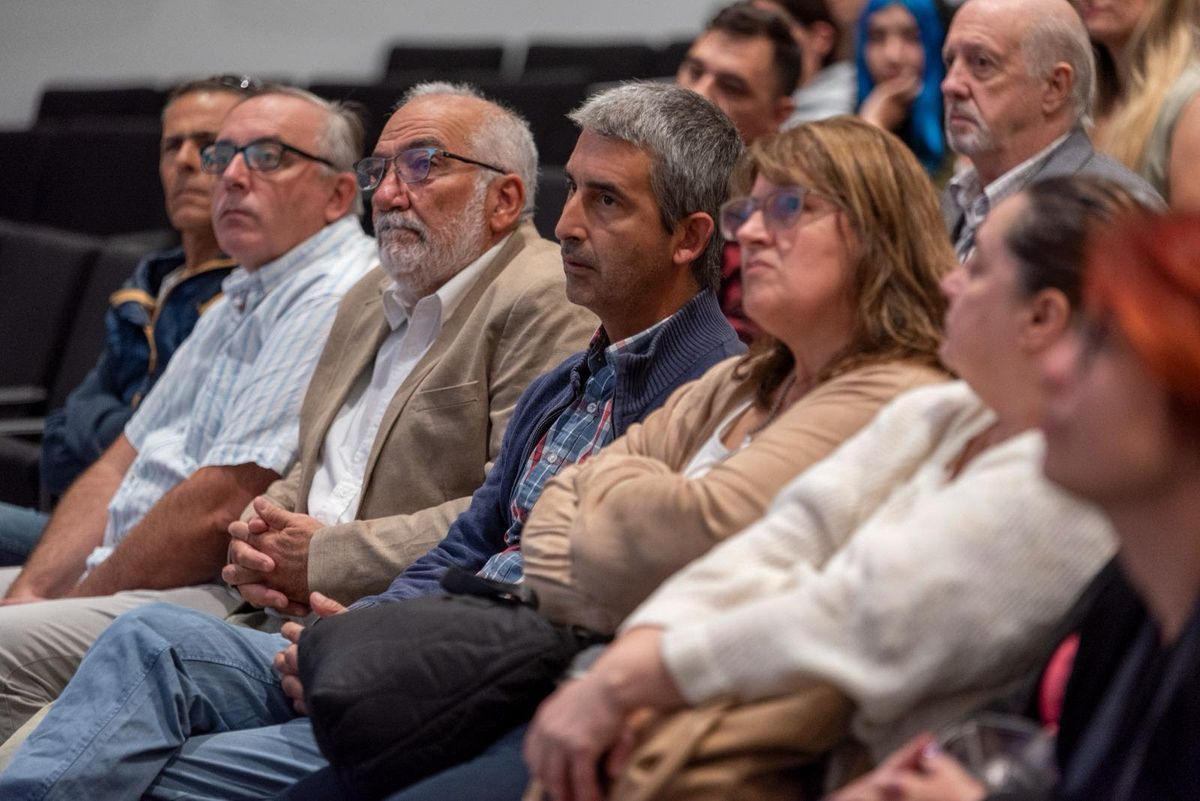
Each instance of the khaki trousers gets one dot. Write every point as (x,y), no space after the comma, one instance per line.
(41,644)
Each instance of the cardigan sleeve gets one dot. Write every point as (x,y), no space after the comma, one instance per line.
(956,591)
(810,518)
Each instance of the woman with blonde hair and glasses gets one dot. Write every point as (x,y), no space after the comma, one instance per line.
(1148,75)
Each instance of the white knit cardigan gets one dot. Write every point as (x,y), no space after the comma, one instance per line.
(918,596)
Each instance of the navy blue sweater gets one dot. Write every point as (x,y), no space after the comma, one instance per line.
(682,349)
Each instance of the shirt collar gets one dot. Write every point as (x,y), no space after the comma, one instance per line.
(445,300)
(976,200)
(246,288)
(601,352)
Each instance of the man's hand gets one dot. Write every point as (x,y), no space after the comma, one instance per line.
(287,661)
(268,557)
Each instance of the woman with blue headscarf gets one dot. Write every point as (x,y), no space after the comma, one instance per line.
(898,52)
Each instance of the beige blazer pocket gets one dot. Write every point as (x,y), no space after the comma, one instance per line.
(446,397)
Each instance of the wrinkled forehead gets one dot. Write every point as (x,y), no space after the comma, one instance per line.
(291,119)
(443,121)
(997,26)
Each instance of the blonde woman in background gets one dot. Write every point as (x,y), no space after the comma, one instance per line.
(1149,79)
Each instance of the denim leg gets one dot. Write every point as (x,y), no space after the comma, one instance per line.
(239,765)
(20,530)
(498,774)
(159,675)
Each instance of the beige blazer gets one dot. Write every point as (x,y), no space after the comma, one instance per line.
(443,427)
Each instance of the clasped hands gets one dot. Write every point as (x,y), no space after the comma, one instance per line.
(268,558)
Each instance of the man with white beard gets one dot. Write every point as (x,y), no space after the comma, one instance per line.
(1020,79)
(425,361)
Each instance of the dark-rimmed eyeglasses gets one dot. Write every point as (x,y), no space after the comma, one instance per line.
(781,209)
(263,155)
(412,166)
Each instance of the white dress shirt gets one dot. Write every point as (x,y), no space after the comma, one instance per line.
(337,484)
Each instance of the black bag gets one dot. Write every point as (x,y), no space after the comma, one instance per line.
(402,691)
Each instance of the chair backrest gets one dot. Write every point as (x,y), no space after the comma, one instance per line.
(68,102)
(42,272)
(22,155)
(544,99)
(85,337)
(101,179)
(604,61)
(447,59)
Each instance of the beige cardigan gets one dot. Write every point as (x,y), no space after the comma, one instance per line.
(604,534)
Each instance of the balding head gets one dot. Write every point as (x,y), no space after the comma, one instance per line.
(1019,75)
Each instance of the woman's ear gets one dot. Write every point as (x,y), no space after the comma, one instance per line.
(1047,319)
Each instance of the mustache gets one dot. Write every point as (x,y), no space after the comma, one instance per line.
(396,221)
(574,250)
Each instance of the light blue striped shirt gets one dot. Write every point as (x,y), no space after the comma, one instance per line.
(231,394)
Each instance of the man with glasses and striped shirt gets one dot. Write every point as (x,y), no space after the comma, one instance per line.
(148,520)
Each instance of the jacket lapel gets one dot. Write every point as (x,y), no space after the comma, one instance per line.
(445,338)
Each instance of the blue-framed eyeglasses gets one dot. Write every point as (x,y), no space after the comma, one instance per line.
(412,166)
(781,209)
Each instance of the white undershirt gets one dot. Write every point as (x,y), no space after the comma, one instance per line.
(337,485)
(713,451)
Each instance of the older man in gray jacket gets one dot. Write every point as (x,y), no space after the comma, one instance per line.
(1020,78)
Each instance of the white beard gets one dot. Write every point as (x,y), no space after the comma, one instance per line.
(420,260)
(981,140)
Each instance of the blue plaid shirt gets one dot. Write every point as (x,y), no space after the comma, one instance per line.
(583,428)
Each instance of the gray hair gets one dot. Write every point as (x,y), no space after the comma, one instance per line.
(1053,38)
(503,138)
(341,140)
(692,147)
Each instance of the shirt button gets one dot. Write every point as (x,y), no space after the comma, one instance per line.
(591,407)
(552,458)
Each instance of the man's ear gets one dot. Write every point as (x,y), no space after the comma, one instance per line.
(1047,319)
(1057,91)
(691,237)
(784,106)
(822,38)
(505,202)
(341,196)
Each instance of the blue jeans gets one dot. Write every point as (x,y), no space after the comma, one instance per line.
(168,703)
(20,530)
(498,774)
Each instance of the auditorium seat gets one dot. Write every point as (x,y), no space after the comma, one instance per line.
(481,57)
(63,103)
(604,61)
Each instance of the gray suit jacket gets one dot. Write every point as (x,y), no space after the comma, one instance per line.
(444,425)
(1074,156)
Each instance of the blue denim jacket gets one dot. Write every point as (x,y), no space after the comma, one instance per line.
(139,339)
(682,349)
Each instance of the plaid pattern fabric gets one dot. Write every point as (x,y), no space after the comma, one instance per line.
(976,201)
(583,428)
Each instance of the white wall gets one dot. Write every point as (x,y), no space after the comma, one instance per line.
(159,41)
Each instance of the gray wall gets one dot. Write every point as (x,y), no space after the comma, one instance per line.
(158,41)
